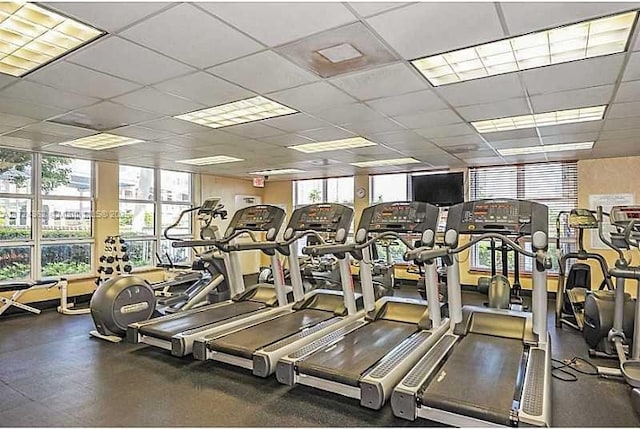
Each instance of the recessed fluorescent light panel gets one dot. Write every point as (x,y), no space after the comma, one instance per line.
(275,172)
(340,53)
(587,39)
(545,149)
(238,112)
(351,143)
(210,160)
(31,36)
(101,141)
(385,162)
(558,117)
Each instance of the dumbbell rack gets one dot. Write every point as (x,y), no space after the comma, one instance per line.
(114,261)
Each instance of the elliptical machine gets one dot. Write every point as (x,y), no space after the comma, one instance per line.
(627,220)
(128,299)
(572,292)
(600,306)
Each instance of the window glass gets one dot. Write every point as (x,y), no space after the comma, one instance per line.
(66,218)
(15,263)
(309,191)
(65,259)
(15,219)
(141,253)
(66,177)
(388,187)
(340,190)
(170,213)
(15,172)
(175,186)
(181,255)
(136,183)
(137,219)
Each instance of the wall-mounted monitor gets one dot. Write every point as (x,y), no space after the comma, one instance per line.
(438,189)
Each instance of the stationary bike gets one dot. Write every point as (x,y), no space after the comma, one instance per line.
(127,299)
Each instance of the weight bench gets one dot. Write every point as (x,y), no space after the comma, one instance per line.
(18,289)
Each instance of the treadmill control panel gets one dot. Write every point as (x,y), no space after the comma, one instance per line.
(327,218)
(400,216)
(622,215)
(505,216)
(259,218)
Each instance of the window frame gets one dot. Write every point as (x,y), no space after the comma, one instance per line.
(325,191)
(372,188)
(158,237)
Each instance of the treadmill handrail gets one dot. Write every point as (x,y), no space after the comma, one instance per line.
(216,242)
(324,249)
(540,255)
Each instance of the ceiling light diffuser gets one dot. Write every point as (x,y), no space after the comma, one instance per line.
(558,45)
(546,148)
(275,172)
(101,141)
(350,143)
(558,117)
(237,112)
(210,160)
(340,53)
(385,162)
(31,36)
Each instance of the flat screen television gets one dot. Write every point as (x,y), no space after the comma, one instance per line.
(442,190)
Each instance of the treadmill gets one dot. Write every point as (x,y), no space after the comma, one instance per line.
(494,366)
(259,346)
(253,303)
(367,358)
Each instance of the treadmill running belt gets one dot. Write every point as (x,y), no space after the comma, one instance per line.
(359,350)
(245,342)
(168,328)
(478,379)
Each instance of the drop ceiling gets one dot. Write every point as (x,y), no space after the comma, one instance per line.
(161,60)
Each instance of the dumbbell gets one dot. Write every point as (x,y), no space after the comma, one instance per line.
(100,269)
(110,259)
(125,258)
(127,268)
(102,258)
(108,270)
(121,241)
(123,249)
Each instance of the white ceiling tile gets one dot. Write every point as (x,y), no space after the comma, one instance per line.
(505,144)
(510,135)
(485,161)
(312,98)
(157,101)
(480,91)
(632,71)
(124,59)
(296,122)
(176,126)
(622,123)
(349,114)
(190,35)
(59,130)
(38,138)
(373,127)
(105,116)
(475,154)
(141,133)
(446,131)
(278,23)
(429,119)
(593,96)
(471,139)
(573,75)
(253,130)
(264,72)
(628,91)
(525,159)
(5,80)
(366,8)
(212,136)
(497,109)
(105,15)
(584,127)
(286,140)
(15,121)
(81,80)
(526,17)
(570,138)
(406,29)
(327,134)
(205,88)
(421,101)
(633,133)
(623,110)
(45,95)
(7,129)
(24,108)
(385,81)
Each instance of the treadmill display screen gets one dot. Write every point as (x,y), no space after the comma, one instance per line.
(258,218)
(403,217)
(506,216)
(321,218)
(621,215)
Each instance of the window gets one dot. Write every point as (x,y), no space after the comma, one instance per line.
(388,187)
(333,190)
(553,184)
(151,200)
(48,232)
